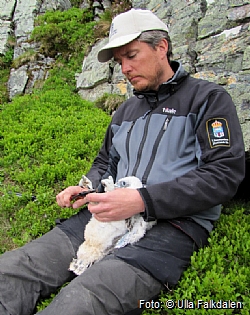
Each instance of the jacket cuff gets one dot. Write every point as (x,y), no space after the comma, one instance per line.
(149,213)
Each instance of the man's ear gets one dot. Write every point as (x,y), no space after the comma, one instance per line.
(162,48)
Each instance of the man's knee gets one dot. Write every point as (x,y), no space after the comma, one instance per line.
(109,287)
(119,283)
(34,270)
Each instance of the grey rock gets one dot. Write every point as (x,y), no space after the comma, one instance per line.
(239,13)
(45,5)
(5,30)
(246,59)
(94,93)
(17,81)
(6,12)
(93,72)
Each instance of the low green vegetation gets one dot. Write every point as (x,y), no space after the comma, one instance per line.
(69,32)
(219,272)
(49,139)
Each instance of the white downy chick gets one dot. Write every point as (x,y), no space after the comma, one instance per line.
(102,237)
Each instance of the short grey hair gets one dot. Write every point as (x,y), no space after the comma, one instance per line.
(154,37)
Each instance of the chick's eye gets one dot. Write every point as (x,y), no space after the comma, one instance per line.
(123,184)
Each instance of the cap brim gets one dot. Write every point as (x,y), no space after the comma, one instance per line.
(106,52)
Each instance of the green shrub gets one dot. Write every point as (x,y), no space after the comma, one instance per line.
(68,32)
(6,59)
(47,141)
(4,75)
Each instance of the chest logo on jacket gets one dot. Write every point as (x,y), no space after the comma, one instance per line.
(218,132)
(169,110)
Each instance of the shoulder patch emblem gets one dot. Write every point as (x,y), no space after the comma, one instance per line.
(218,132)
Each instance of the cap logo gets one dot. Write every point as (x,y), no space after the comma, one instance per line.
(112,31)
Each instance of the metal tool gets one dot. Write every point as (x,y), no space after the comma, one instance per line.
(82,194)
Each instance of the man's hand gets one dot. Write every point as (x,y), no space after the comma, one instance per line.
(115,205)
(64,197)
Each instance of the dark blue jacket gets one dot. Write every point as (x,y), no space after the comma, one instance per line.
(185,144)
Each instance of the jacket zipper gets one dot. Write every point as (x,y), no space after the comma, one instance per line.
(127,142)
(154,150)
(147,116)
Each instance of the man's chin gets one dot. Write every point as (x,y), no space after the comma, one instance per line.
(143,87)
(140,87)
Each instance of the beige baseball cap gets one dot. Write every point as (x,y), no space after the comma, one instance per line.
(128,26)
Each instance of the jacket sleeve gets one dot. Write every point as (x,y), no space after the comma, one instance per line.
(112,167)
(220,169)
(100,164)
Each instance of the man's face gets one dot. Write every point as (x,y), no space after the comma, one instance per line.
(143,66)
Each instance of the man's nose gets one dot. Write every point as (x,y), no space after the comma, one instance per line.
(125,67)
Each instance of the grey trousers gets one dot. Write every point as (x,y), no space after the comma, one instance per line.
(109,287)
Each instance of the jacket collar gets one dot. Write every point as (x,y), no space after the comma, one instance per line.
(167,88)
